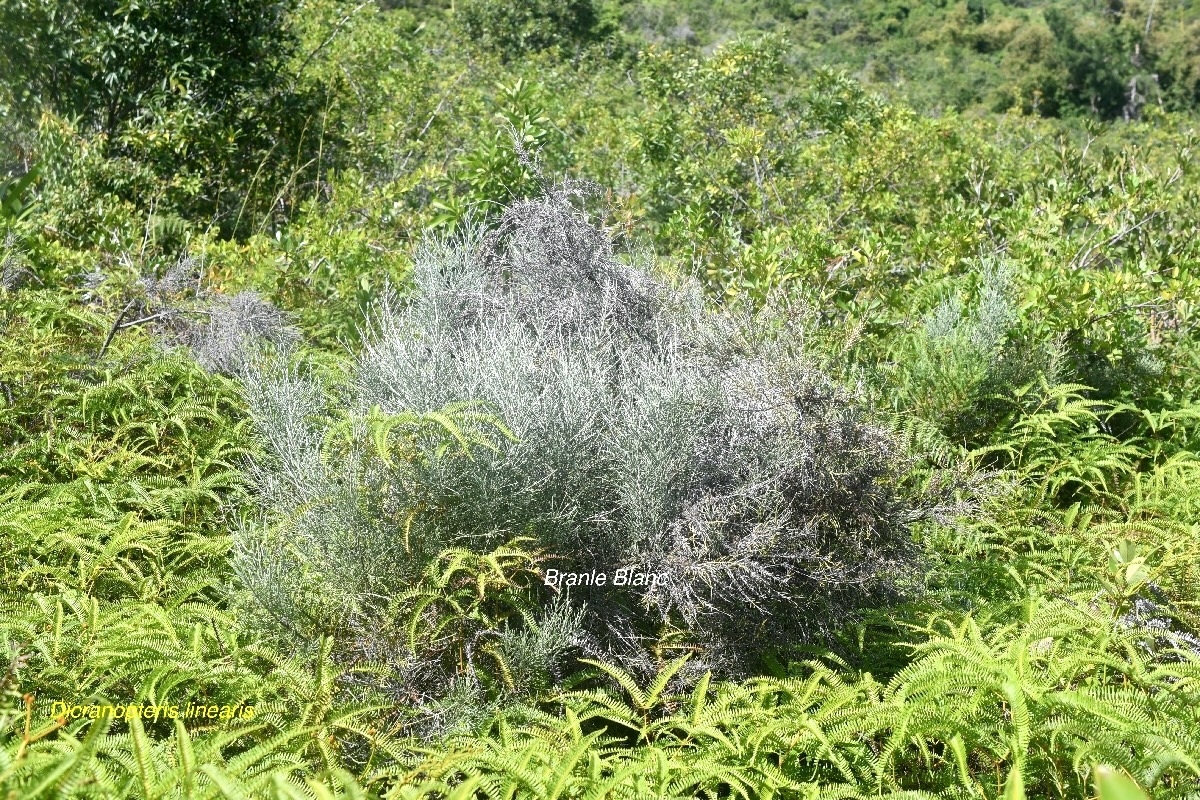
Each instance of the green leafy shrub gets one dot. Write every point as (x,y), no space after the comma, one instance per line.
(196,97)
(106,63)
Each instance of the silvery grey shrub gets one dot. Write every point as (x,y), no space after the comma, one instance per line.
(648,432)
(958,368)
(223,333)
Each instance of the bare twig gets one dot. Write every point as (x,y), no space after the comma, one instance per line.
(162,314)
(115,327)
(1082,259)
(1097,317)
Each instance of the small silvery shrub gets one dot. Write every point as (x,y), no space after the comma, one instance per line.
(222,332)
(959,368)
(616,423)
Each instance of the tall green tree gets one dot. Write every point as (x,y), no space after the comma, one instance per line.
(106,61)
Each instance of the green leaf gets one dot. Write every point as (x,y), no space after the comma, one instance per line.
(1112,784)
(1014,787)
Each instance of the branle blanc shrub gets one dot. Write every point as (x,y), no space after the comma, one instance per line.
(630,428)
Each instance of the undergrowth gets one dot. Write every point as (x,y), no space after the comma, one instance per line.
(310,380)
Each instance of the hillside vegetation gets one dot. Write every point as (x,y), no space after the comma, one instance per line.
(343,346)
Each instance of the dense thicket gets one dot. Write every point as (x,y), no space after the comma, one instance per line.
(1113,60)
(309,375)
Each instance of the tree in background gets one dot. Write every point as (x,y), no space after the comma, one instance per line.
(106,62)
(198,94)
(517,27)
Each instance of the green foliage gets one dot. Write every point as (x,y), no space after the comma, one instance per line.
(1112,60)
(107,63)
(196,99)
(1041,698)
(501,169)
(15,200)
(517,27)
(1003,292)
(114,583)
(959,367)
(1094,79)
